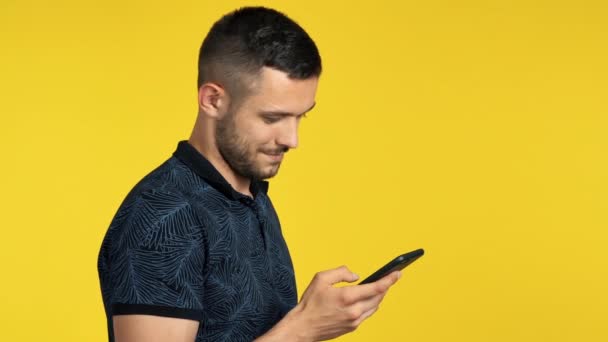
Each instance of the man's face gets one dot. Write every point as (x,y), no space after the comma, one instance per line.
(254,137)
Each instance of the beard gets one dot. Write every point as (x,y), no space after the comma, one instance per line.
(238,152)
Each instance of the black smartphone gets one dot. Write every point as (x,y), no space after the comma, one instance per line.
(396,264)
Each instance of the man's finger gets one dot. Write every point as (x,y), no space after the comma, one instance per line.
(365,315)
(370,304)
(336,275)
(353,294)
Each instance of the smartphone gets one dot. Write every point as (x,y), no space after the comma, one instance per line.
(396,264)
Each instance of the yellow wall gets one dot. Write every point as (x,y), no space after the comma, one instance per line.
(474,129)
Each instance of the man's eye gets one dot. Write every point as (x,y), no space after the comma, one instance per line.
(271,119)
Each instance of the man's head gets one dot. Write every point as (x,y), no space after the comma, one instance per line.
(258,74)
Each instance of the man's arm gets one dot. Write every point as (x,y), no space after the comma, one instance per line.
(325,312)
(148,328)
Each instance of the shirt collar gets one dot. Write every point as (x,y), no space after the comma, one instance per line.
(190,156)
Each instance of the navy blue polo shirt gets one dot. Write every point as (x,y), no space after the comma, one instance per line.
(185,244)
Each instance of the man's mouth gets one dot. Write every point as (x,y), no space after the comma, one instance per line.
(275,152)
(275,156)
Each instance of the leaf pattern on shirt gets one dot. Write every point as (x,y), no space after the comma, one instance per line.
(178,242)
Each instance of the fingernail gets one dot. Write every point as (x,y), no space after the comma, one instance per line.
(355,276)
(398,274)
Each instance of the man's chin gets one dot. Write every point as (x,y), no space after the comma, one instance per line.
(269,171)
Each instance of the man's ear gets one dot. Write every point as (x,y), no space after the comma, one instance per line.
(212,100)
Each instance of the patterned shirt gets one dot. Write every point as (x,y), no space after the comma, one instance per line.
(185,244)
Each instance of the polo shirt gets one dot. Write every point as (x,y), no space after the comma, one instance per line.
(185,244)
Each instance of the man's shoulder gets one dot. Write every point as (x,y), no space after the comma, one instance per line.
(171,179)
(159,209)
(167,190)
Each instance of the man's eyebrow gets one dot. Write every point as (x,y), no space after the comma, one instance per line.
(279,112)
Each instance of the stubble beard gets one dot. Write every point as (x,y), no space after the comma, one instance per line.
(236,151)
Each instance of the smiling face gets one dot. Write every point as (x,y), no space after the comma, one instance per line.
(253,137)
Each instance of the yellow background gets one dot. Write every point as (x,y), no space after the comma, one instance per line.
(474,129)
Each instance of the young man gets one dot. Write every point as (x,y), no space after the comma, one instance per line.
(195,251)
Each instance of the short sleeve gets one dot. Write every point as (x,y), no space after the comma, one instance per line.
(157,258)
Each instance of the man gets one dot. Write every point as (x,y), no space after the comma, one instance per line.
(195,252)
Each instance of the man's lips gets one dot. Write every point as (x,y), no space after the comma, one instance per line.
(275,156)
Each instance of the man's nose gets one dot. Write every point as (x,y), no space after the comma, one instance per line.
(289,135)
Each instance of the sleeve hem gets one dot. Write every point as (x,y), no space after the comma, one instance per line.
(156,310)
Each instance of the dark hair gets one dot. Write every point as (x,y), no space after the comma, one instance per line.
(247,39)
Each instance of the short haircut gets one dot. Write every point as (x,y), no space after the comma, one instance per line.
(247,39)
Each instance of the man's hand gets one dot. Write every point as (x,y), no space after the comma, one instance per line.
(326,312)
